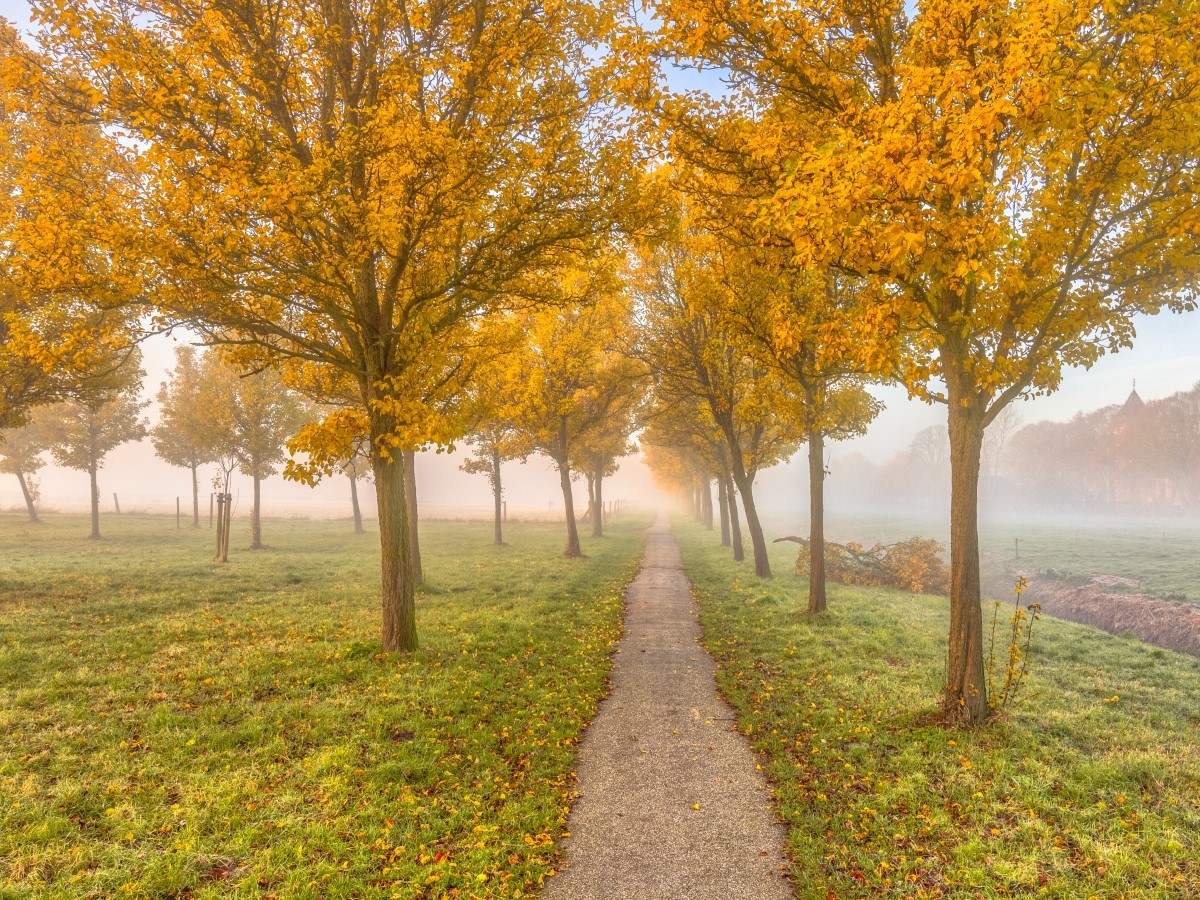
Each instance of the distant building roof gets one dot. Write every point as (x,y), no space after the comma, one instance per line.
(1134,403)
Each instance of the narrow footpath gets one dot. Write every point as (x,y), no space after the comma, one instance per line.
(670,803)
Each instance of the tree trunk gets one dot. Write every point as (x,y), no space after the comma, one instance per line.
(723,502)
(220,498)
(256,515)
(965,695)
(195,467)
(706,504)
(745,486)
(399,604)
(816,522)
(497,496)
(30,506)
(590,515)
(95,500)
(410,502)
(564,478)
(354,507)
(735,522)
(598,525)
(228,527)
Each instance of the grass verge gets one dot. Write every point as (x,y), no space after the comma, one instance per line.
(172,727)
(1090,789)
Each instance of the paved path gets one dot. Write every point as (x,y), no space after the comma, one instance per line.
(661,743)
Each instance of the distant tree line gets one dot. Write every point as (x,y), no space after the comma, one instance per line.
(1136,457)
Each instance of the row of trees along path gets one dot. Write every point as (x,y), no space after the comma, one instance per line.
(455,220)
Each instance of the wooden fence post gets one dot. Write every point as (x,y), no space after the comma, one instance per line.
(220,524)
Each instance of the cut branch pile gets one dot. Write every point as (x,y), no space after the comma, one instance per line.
(915,565)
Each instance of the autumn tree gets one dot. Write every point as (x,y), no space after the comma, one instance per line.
(344,185)
(598,457)
(668,468)
(557,387)
(186,430)
(697,359)
(1015,182)
(106,413)
(612,409)
(813,330)
(490,445)
(265,416)
(817,328)
(249,419)
(21,452)
(687,448)
(217,395)
(62,290)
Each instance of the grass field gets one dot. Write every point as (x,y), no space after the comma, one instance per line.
(1163,554)
(174,728)
(1091,788)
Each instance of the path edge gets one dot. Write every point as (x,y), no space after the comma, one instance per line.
(788,874)
(571,788)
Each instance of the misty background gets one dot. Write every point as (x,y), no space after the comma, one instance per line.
(1164,360)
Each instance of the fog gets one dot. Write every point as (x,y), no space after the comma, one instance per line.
(1165,359)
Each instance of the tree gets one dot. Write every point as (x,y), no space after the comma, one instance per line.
(598,456)
(802,325)
(264,415)
(1014,182)
(557,384)
(930,451)
(80,433)
(21,452)
(62,290)
(699,364)
(490,442)
(1177,422)
(996,441)
(349,186)
(611,410)
(685,447)
(357,466)
(184,433)
(250,418)
(931,445)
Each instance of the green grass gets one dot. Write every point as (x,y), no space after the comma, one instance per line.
(1160,554)
(174,728)
(1090,788)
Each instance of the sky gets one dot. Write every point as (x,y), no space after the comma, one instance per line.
(1165,358)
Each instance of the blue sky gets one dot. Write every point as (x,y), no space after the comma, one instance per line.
(16,11)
